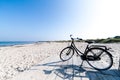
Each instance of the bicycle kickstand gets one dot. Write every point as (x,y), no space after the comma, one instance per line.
(119,64)
(81,63)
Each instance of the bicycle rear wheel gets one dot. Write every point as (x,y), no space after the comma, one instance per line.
(66,53)
(99,58)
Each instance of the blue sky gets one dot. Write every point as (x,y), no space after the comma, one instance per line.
(34,20)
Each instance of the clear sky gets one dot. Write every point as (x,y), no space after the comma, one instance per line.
(35,20)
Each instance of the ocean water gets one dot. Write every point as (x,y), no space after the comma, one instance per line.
(12,43)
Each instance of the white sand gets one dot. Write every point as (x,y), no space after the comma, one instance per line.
(17,59)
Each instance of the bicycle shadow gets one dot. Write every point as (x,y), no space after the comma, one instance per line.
(66,71)
(71,71)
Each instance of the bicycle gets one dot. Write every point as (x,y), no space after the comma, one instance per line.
(95,55)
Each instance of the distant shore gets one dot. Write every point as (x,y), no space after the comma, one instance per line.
(13,43)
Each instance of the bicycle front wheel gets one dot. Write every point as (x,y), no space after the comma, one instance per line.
(66,54)
(99,58)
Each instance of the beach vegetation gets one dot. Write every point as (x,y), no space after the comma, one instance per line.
(115,39)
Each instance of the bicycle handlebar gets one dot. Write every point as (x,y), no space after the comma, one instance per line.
(89,42)
(75,38)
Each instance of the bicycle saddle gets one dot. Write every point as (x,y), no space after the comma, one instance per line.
(89,42)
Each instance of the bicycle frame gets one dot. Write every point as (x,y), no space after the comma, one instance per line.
(77,50)
(89,55)
(87,47)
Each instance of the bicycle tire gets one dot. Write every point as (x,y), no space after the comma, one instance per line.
(66,53)
(105,61)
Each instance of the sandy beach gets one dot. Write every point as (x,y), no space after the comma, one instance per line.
(15,60)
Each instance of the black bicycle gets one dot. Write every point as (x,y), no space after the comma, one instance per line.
(97,56)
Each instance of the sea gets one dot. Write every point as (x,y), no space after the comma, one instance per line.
(12,43)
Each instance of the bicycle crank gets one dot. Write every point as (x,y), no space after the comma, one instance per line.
(92,58)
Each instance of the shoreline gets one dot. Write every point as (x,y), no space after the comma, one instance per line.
(14,43)
(21,43)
